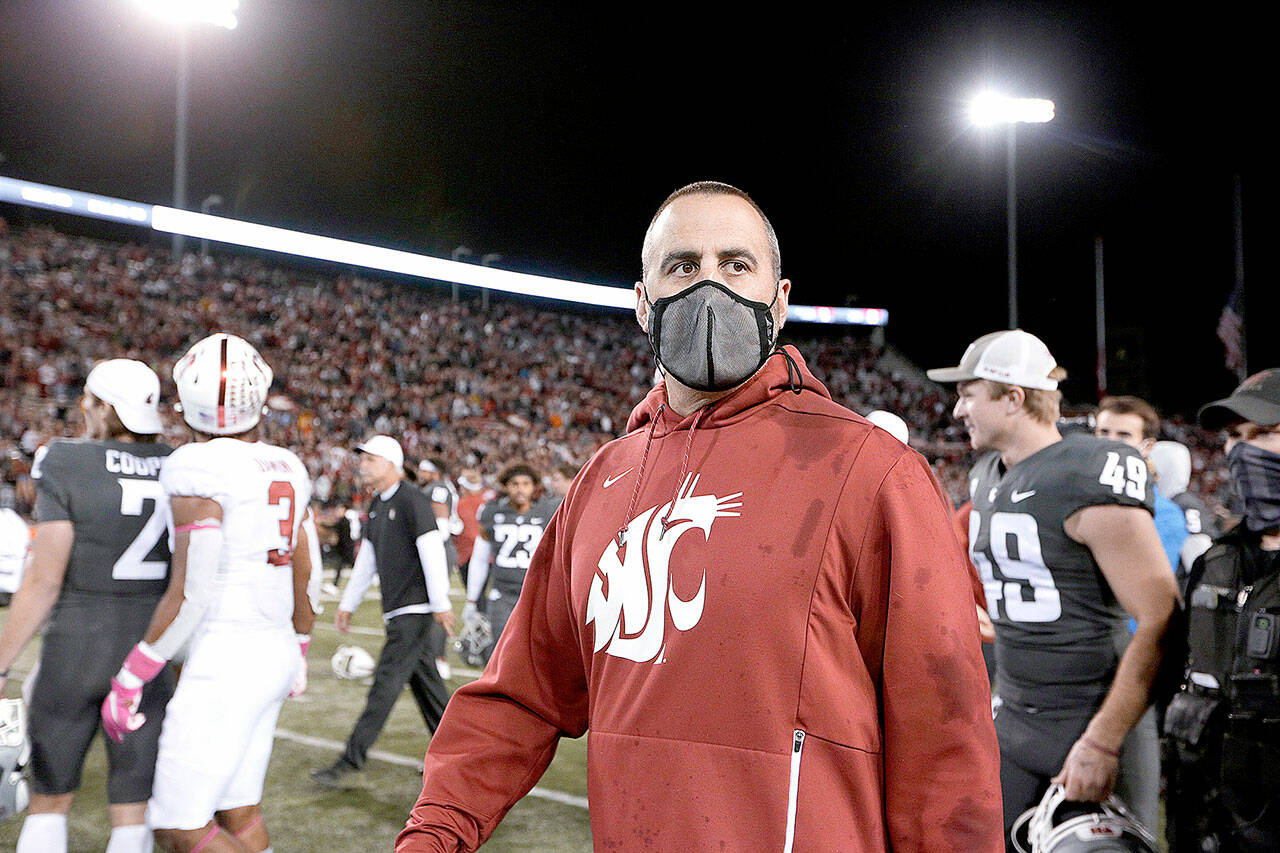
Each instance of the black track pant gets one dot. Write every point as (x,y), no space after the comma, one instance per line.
(406,657)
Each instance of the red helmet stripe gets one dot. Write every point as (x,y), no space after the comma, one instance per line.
(222,385)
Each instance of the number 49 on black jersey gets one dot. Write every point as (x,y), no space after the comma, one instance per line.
(1053,610)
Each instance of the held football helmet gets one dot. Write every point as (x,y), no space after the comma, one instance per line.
(222,385)
(1058,825)
(352,663)
(475,639)
(15,752)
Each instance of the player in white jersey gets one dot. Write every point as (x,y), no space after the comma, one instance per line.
(241,569)
(15,541)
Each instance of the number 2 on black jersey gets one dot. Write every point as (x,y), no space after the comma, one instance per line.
(132,564)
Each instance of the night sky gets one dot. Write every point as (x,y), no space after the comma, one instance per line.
(549,136)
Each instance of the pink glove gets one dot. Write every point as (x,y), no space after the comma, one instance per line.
(120,708)
(300,683)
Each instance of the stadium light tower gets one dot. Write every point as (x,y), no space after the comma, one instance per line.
(186,14)
(988,110)
(209,203)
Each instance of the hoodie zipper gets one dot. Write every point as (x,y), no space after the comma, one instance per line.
(797,747)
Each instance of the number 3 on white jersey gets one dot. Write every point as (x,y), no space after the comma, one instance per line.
(133,564)
(1025,570)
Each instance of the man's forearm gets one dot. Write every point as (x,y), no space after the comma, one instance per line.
(361,579)
(478,568)
(30,606)
(1130,692)
(435,570)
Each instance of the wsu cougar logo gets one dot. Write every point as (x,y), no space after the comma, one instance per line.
(631,593)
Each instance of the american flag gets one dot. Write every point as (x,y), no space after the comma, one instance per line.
(1231,330)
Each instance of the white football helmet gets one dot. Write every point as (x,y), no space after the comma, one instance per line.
(15,752)
(351,662)
(222,385)
(1058,825)
(475,639)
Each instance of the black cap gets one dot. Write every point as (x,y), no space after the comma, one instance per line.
(1257,400)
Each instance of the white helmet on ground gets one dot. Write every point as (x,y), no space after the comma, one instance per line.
(351,662)
(222,385)
(15,751)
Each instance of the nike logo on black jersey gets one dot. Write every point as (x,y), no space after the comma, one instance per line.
(1018,497)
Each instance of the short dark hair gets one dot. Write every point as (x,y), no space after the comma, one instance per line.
(712,188)
(515,469)
(1128,405)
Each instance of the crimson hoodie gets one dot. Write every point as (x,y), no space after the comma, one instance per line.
(763,616)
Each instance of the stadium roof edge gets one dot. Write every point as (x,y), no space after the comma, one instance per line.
(237,232)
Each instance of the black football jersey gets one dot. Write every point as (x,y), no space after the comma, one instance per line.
(1058,625)
(515,536)
(110,491)
(393,527)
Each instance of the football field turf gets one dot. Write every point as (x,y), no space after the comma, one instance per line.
(301,815)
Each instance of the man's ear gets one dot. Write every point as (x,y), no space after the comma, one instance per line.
(1016,395)
(642,307)
(784,299)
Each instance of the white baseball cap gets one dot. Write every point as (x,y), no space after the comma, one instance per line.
(132,389)
(890,423)
(384,446)
(1013,356)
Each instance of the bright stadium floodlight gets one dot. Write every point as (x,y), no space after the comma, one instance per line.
(186,14)
(220,13)
(989,109)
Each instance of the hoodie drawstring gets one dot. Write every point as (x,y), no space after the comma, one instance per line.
(621,537)
(795,379)
(684,468)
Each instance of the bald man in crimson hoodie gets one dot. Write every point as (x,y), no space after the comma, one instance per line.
(754,600)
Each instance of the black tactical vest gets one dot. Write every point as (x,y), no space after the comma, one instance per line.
(1234,635)
(1228,715)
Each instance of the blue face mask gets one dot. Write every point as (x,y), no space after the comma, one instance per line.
(1256,475)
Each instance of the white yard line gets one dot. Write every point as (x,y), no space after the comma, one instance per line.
(416,764)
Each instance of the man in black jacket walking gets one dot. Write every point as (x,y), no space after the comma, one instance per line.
(403,546)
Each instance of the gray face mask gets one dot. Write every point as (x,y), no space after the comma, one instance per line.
(710,338)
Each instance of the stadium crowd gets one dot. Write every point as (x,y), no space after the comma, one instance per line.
(473,387)
(543,384)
